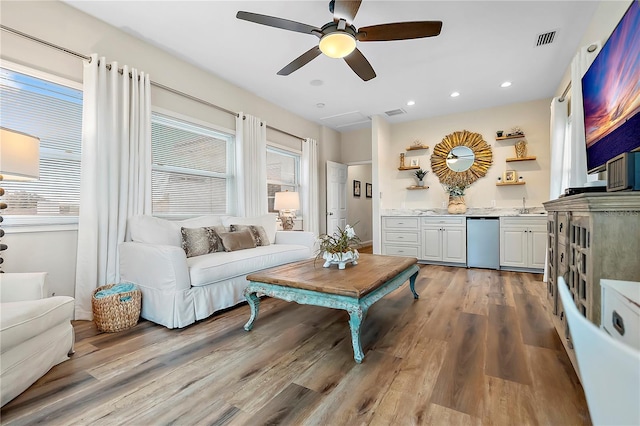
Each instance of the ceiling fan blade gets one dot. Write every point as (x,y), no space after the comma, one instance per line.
(399,31)
(347,10)
(360,65)
(285,24)
(300,61)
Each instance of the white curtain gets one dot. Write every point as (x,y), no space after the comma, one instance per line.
(251,166)
(310,201)
(559,142)
(115,180)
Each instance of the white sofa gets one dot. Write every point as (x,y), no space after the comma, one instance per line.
(35,331)
(176,290)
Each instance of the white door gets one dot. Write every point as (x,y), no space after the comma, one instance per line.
(537,247)
(336,196)
(513,247)
(432,243)
(454,247)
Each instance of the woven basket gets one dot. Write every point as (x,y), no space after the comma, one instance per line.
(116,312)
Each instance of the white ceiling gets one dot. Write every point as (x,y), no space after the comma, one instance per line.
(482,44)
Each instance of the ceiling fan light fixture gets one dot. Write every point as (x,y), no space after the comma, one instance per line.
(337,44)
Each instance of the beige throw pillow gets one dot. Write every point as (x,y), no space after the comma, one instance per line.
(199,241)
(240,240)
(257,232)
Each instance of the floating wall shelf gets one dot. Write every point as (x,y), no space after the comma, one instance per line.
(509,183)
(417,147)
(501,138)
(409,168)
(521,159)
(412,187)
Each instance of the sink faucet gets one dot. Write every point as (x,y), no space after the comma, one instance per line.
(524,209)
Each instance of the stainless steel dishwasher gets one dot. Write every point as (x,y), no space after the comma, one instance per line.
(483,242)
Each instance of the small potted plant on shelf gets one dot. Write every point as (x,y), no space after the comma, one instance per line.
(420,174)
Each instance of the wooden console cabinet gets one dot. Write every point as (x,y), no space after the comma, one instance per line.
(590,237)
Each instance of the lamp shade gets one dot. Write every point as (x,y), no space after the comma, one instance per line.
(287,201)
(337,44)
(19,156)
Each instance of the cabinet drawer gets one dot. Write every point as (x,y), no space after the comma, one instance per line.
(401,237)
(444,220)
(524,221)
(401,222)
(401,251)
(620,318)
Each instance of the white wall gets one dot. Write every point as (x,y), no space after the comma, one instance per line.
(532,117)
(356,146)
(360,209)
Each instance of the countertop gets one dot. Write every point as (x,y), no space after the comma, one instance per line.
(471,212)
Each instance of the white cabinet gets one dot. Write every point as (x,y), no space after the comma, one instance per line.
(444,239)
(523,242)
(401,236)
(621,310)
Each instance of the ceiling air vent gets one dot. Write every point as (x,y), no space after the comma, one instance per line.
(393,112)
(546,38)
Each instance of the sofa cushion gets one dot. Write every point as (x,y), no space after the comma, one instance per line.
(154,230)
(257,232)
(241,240)
(267,221)
(199,241)
(214,267)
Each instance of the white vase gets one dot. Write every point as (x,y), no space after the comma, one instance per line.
(420,182)
(340,259)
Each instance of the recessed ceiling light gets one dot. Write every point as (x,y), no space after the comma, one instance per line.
(455,94)
(506,84)
(410,103)
(320,105)
(316,82)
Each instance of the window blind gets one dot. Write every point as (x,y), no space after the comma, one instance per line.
(53,113)
(191,173)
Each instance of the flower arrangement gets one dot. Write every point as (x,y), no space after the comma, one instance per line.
(456,186)
(420,174)
(340,242)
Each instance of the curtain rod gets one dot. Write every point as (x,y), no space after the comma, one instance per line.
(153,83)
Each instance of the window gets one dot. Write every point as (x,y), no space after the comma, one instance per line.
(191,172)
(49,108)
(283,172)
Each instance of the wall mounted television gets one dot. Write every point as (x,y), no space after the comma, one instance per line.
(611,94)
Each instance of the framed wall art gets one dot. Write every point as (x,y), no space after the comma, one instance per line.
(356,188)
(369,190)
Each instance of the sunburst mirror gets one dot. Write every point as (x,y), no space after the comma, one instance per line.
(461,157)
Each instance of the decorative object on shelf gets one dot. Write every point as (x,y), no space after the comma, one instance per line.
(456,189)
(415,162)
(287,203)
(509,176)
(467,149)
(368,190)
(19,161)
(356,188)
(402,160)
(339,248)
(420,174)
(516,131)
(499,133)
(499,179)
(521,148)
(416,145)
(520,179)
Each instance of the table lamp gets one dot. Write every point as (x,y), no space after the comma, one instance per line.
(19,161)
(287,203)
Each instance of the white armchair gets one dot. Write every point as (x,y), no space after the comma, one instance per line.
(35,331)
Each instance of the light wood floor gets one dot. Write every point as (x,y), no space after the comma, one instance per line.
(476,348)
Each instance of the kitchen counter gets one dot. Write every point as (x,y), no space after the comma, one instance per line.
(471,212)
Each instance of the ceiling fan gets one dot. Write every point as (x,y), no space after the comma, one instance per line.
(338,38)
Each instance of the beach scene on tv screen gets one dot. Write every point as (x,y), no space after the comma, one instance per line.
(611,93)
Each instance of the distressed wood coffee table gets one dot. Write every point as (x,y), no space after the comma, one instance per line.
(353,289)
